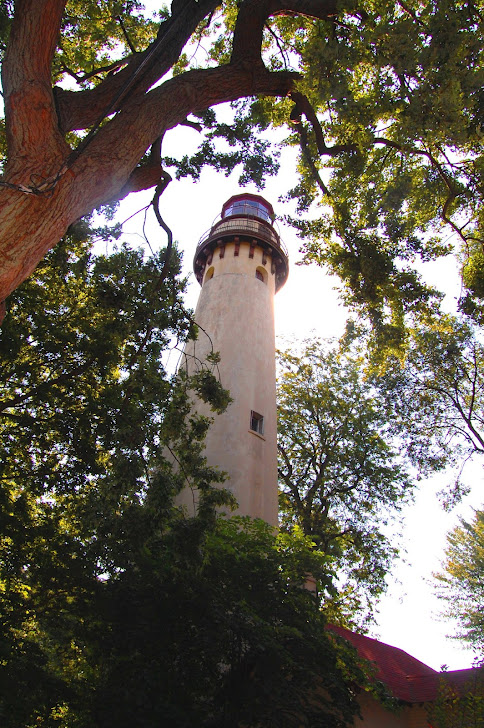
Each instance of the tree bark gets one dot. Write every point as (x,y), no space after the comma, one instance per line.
(47,186)
(81,109)
(30,225)
(35,145)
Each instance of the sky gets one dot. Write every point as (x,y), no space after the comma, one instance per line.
(309,305)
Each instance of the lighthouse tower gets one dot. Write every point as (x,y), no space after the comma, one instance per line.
(241,263)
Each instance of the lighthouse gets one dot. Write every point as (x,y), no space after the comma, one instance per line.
(240,264)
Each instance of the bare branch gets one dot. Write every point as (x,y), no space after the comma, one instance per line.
(169,246)
(97,72)
(125,33)
(278,43)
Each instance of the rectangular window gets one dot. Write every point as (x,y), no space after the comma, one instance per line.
(256,422)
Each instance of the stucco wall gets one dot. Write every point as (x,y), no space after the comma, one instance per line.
(374,715)
(236,310)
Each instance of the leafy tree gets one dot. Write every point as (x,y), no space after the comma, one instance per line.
(460,705)
(385,100)
(214,629)
(114,608)
(460,584)
(399,98)
(437,386)
(86,411)
(342,475)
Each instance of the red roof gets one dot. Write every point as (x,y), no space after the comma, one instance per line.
(406,677)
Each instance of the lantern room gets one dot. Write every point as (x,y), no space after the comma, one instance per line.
(248,206)
(247,221)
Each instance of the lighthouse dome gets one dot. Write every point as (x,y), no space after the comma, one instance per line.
(245,219)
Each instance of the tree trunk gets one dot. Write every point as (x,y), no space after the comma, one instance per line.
(32,224)
(47,186)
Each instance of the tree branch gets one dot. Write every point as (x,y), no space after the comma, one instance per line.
(97,71)
(65,376)
(251,19)
(143,177)
(412,14)
(100,169)
(81,109)
(143,120)
(448,182)
(30,114)
(302,105)
(166,179)
(126,36)
(303,140)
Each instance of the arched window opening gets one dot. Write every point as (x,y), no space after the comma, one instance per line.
(261,274)
(209,274)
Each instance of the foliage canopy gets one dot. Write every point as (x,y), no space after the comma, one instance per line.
(459,584)
(384,99)
(114,608)
(343,475)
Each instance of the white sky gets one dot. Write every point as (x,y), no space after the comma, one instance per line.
(308,304)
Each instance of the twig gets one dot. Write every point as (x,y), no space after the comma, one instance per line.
(412,14)
(125,33)
(278,43)
(103,69)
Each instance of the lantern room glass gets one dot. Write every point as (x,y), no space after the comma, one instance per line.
(251,208)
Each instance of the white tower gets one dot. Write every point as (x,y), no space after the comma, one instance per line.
(241,263)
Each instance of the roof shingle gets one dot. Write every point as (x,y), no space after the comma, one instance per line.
(407,678)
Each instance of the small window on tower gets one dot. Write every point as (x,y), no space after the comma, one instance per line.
(256,422)
(261,274)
